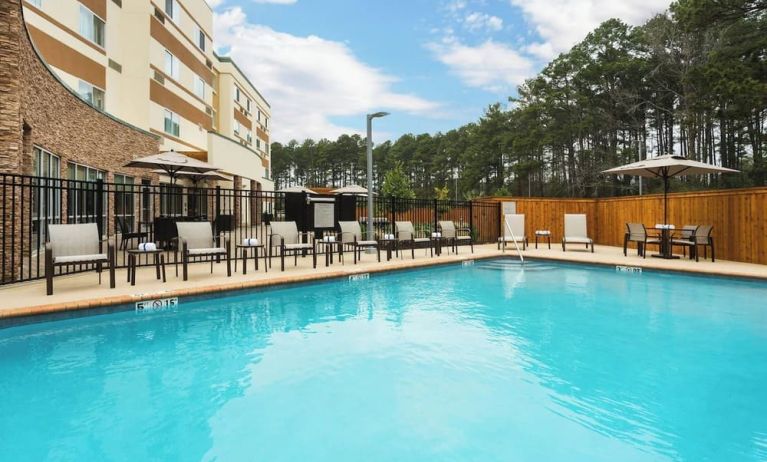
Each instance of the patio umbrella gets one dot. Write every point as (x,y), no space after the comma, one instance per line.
(666,167)
(172,163)
(297,189)
(195,176)
(351,189)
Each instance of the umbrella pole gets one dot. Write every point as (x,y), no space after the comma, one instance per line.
(665,199)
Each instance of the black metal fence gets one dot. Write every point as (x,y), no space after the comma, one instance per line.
(130,213)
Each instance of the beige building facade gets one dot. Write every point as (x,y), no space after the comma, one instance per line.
(151,64)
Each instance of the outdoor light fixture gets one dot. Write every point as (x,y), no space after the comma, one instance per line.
(370,118)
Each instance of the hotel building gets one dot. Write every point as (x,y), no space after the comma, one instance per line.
(151,63)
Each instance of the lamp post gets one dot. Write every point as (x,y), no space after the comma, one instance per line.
(370,118)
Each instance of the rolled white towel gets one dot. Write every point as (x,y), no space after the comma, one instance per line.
(331,238)
(147,246)
(250,242)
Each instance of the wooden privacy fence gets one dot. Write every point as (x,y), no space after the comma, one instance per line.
(739,217)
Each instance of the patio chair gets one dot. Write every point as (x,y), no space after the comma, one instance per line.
(284,236)
(684,240)
(351,236)
(575,231)
(454,235)
(636,232)
(405,235)
(517,224)
(701,236)
(77,244)
(127,234)
(195,239)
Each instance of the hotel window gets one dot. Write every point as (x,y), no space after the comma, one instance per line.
(236,93)
(259,115)
(200,36)
(91,26)
(249,137)
(123,198)
(247,104)
(171,123)
(171,65)
(82,195)
(47,193)
(199,87)
(266,122)
(172,10)
(236,126)
(91,94)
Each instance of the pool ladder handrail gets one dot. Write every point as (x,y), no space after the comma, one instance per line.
(513,237)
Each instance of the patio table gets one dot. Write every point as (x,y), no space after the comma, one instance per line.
(243,251)
(666,233)
(159,263)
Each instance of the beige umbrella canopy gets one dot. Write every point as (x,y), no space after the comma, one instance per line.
(172,163)
(195,176)
(297,189)
(666,167)
(351,189)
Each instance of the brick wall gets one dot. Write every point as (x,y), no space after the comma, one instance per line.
(36,109)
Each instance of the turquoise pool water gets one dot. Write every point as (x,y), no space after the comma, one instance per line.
(480,363)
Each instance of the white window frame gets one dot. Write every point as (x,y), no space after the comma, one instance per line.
(199,87)
(175,122)
(91,90)
(171,61)
(236,127)
(88,26)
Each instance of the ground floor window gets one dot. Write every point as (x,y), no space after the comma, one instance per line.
(82,195)
(171,200)
(124,198)
(46,192)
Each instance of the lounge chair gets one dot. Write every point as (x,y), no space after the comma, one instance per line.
(195,239)
(127,234)
(636,232)
(701,236)
(517,224)
(575,231)
(405,236)
(351,236)
(77,244)
(684,240)
(284,236)
(454,235)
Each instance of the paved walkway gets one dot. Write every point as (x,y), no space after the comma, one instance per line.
(82,290)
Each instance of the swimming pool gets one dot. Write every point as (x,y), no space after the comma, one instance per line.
(458,363)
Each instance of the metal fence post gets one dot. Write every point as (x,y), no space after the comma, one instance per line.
(436,217)
(393,213)
(100,205)
(217,210)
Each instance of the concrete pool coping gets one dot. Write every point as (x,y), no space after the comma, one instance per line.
(76,292)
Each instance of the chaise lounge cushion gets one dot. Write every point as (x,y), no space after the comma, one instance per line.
(80,258)
(207,251)
(577,240)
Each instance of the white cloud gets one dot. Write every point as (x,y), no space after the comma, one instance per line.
(215,3)
(309,80)
(563,23)
(492,66)
(482,22)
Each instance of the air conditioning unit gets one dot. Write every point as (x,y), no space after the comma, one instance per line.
(159,15)
(159,77)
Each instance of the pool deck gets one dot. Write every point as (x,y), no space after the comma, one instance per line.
(81,291)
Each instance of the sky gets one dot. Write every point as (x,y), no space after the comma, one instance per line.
(433,64)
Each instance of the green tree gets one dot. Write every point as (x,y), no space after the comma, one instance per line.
(396,183)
